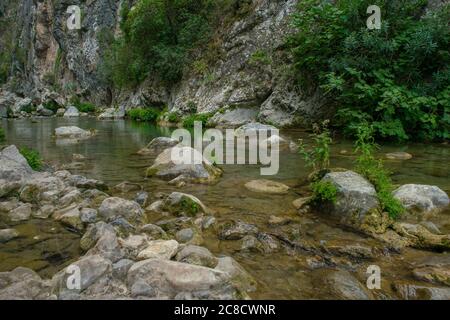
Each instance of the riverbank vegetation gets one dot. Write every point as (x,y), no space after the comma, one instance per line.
(2,135)
(162,38)
(396,78)
(33,158)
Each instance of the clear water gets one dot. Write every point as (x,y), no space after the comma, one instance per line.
(111,156)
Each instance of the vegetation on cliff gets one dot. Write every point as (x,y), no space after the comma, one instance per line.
(396,78)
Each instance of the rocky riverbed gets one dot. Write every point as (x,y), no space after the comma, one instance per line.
(236,236)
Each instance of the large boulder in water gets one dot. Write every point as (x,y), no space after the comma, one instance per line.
(72,132)
(194,169)
(112,114)
(421,200)
(356,202)
(72,112)
(158,145)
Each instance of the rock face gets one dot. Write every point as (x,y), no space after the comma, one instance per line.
(170,165)
(422,200)
(237,87)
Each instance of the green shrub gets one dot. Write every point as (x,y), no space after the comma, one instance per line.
(374,171)
(189,121)
(51,105)
(86,107)
(323,192)
(33,158)
(173,117)
(260,57)
(318,156)
(396,78)
(143,114)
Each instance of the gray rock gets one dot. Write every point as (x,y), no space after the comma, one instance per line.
(168,166)
(199,256)
(142,198)
(155,232)
(134,244)
(356,196)
(411,291)
(13,166)
(23,284)
(255,127)
(169,278)
(120,268)
(182,204)
(113,208)
(142,289)
(239,276)
(185,235)
(343,285)
(71,112)
(112,113)
(72,132)
(7,235)
(72,219)
(101,239)
(162,143)
(233,118)
(236,230)
(160,249)
(422,199)
(88,215)
(21,213)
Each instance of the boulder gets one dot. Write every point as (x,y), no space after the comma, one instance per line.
(169,279)
(239,276)
(13,166)
(72,219)
(72,132)
(233,118)
(21,213)
(23,284)
(199,256)
(160,249)
(112,114)
(158,145)
(236,230)
(71,112)
(356,202)
(422,200)
(155,232)
(411,291)
(113,208)
(182,204)
(169,166)
(267,186)
(343,285)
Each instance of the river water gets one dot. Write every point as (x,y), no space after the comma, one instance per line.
(111,157)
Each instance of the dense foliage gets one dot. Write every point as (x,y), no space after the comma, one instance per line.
(33,158)
(374,171)
(317,156)
(397,78)
(190,120)
(323,192)
(159,37)
(143,114)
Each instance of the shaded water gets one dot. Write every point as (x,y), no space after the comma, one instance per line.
(111,156)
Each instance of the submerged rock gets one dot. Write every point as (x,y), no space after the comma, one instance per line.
(72,132)
(421,238)
(343,285)
(182,204)
(236,230)
(267,186)
(7,235)
(177,164)
(158,145)
(399,156)
(421,200)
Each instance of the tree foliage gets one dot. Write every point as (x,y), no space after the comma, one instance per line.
(397,78)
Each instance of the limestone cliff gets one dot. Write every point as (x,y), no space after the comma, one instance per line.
(235,87)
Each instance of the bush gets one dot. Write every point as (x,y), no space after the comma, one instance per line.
(189,121)
(396,78)
(141,114)
(173,117)
(33,158)
(318,157)
(323,192)
(51,105)
(374,171)
(86,107)
(260,57)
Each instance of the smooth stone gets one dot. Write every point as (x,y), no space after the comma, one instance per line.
(7,235)
(267,186)
(398,156)
(160,249)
